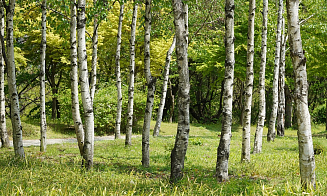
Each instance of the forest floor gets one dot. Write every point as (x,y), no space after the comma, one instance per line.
(117,169)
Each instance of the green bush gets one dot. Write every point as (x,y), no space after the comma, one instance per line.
(318,115)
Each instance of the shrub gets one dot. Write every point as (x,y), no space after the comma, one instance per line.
(318,115)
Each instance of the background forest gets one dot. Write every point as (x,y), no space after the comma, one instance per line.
(206,65)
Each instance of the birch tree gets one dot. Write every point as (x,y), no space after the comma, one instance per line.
(78,125)
(262,100)
(151,81)
(226,127)
(93,77)
(10,62)
(272,121)
(43,123)
(281,86)
(248,86)
(118,82)
(3,129)
(183,128)
(128,141)
(164,89)
(88,148)
(306,153)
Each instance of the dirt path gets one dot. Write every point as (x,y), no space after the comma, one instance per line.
(60,141)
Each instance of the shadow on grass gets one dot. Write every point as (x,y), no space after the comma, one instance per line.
(216,127)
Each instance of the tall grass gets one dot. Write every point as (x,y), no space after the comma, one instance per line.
(118,171)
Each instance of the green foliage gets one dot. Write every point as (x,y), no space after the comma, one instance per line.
(318,115)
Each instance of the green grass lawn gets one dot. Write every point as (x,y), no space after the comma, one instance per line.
(118,171)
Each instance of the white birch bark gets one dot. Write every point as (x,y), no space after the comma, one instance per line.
(183,128)
(272,121)
(262,100)
(281,86)
(118,82)
(43,123)
(14,102)
(3,128)
(88,149)
(74,79)
(226,126)
(164,89)
(151,81)
(93,77)
(129,129)
(306,153)
(248,86)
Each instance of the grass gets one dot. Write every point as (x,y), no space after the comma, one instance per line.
(118,171)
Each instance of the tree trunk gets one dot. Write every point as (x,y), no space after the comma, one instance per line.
(249,86)
(179,151)
(151,81)
(74,80)
(226,127)
(119,93)
(262,99)
(306,153)
(281,86)
(43,122)
(14,102)
(171,113)
(272,121)
(88,149)
(94,54)
(164,89)
(288,107)
(128,140)
(3,128)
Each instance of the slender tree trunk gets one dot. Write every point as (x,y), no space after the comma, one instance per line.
(288,107)
(249,86)
(119,93)
(171,115)
(128,140)
(94,55)
(306,153)
(3,128)
(43,122)
(164,89)
(272,121)
(151,81)
(281,86)
(74,79)
(226,127)
(14,102)
(88,149)
(262,90)
(179,151)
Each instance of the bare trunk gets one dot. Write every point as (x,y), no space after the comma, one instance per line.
(171,115)
(119,93)
(74,80)
(306,153)
(128,141)
(181,142)
(151,81)
(88,149)
(3,128)
(272,121)
(262,99)
(164,89)
(94,55)
(281,86)
(288,107)
(226,127)
(14,102)
(43,123)
(248,86)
